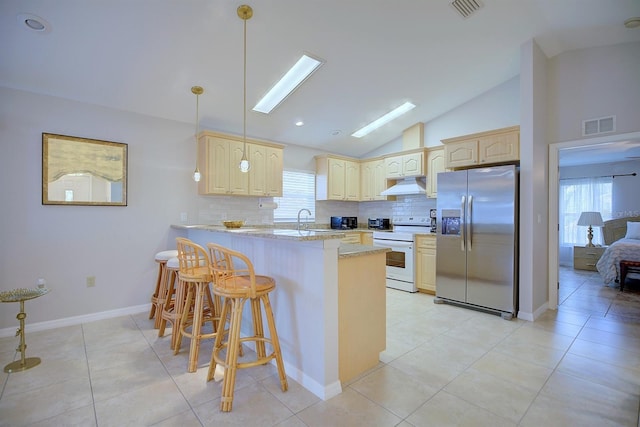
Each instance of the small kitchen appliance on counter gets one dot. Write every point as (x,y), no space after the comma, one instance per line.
(379,224)
(344,222)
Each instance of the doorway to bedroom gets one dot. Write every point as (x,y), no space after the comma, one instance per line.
(590,177)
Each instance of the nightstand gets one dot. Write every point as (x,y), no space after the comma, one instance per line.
(585,258)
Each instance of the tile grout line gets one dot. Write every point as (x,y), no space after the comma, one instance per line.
(555,368)
(168,373)
(86,358)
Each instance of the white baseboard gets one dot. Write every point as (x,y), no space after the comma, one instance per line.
(324,392)
(531,317)
(76,320)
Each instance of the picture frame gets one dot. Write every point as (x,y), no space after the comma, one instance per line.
(83,171)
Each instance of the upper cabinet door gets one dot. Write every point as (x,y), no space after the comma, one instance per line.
(275,164)
(238,181)
(352,181)
(412,164)
(219,157)
(435,165)
(499,148)
(461,153)
(337,177)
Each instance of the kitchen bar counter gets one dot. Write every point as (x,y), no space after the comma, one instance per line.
(310,299)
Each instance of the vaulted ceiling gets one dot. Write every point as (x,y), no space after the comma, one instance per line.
(143,56)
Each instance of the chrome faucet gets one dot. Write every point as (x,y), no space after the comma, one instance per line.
(299,212)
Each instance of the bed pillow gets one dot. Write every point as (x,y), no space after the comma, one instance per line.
(633,230)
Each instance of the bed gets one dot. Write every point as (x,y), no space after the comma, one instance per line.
(622,244)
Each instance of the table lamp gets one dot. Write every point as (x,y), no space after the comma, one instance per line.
(590,219)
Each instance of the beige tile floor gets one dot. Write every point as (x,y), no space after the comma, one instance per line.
(443,366)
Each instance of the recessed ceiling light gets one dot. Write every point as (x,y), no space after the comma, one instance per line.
(299,123)
(301,71)
(33,23)
(632,22)
(394,114)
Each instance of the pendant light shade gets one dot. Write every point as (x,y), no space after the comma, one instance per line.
(197,91)
(244,12)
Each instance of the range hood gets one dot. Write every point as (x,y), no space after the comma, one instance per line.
(406,187)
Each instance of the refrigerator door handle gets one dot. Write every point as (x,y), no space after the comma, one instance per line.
(470,224)
(463,225)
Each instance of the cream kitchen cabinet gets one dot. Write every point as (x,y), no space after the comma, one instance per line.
(366,238)
(373,180)
(337,178)
(352,237)
(426,263)
(404,165)
(484,148)
(218,159)
(435,165)
(219,156)
(265,175)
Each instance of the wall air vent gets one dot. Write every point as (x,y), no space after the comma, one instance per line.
(598,126)
(466,7)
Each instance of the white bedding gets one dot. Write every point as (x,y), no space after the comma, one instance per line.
(609,263)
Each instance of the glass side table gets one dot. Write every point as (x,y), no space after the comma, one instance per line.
(21,295)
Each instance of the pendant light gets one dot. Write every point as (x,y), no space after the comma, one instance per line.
(197,91)
(244,12)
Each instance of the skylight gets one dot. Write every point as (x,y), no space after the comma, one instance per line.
(391,115)
(301,71)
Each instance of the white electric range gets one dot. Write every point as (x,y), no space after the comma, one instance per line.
(401,239)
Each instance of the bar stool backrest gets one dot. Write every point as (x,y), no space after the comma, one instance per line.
(232,272)
(193,259)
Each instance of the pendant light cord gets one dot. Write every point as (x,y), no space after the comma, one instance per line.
(244,90)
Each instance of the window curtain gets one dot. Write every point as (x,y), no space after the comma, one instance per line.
(578,195)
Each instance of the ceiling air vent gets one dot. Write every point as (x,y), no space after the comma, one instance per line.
(466,7)
(598,126)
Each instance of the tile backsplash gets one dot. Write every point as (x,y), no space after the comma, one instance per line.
(215,209)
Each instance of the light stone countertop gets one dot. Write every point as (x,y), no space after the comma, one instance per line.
(270,232)
(345,250)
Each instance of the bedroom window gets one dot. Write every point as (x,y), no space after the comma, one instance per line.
(298,192)
(578,195)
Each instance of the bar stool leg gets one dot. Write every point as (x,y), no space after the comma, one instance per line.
(258,329)
(229,382)
(178,310)
(156,292)
(275,342)
(196,327)
(218,341)
(185,317)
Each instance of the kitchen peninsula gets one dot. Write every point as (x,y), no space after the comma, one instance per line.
(329,303)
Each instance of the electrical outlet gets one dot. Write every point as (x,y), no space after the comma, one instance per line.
(91,281)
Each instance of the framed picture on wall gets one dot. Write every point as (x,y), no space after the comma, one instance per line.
(83,171)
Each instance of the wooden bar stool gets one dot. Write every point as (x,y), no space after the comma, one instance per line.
(159,293)
(174,303)
(237,284)
(199,305)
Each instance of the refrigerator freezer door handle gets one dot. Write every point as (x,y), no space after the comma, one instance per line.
(463,224)
(470,224)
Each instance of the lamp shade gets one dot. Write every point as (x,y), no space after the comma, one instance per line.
(593,219)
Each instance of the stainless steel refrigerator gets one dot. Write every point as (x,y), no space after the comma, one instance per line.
(477,239)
